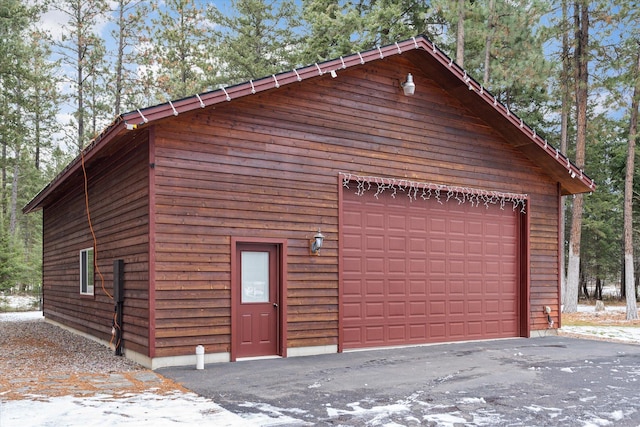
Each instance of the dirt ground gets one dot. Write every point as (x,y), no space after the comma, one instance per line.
(39,360)
(613,315)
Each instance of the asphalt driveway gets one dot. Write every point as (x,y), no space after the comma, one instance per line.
(551,381)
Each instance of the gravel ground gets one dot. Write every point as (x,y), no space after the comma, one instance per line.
(43,360)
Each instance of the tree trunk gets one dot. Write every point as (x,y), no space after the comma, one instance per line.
(581,18)
(13,208)
(80,93)
(491,25)
(460,35)
(3,163)
(119,60)
(632,309)
(564,145)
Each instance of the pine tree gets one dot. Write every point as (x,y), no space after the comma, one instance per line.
(258,38)
(581,84)
(176,50)
(629,277)
(331,25)
(124,83)
(81,49)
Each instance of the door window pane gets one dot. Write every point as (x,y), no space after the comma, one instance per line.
(255,276)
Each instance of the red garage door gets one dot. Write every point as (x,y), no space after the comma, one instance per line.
(424,271)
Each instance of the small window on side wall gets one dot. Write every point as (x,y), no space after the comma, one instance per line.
(86,271)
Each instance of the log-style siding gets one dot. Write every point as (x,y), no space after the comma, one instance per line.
(119,208)
(267,165)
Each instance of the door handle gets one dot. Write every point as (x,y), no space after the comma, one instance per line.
(275,305)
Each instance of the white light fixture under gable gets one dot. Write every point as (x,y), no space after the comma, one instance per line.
(409,87)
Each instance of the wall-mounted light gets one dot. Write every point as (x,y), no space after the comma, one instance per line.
(409,87)
(316,243)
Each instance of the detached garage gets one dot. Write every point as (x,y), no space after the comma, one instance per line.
(319,210)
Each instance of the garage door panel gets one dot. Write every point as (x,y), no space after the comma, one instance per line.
(373,288)
(374,221)
(396,310)
(456,227)
(352,265)
(396,265)
(397,287)
(417,224)
(374,310)
(437,226)
(397,334)
(417,309)
(352,241)
(417,266)
(418,331)
(437,266)
(375,243)
(352,311)
(374,335)
(437,246)
(427,272)
(397,244)
(352,288)
(374,265)
(437,288)
(417,288)
(437,308)
(397,222)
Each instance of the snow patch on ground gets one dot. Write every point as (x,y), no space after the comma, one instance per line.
(270,415)
(21,316)
(620,333)
(142,410)
(18,302)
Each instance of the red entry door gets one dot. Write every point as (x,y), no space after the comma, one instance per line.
(258,300)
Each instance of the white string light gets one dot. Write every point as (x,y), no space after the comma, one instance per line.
(201,102)
(175,112)
(226,94)
(144,119)
(426,191)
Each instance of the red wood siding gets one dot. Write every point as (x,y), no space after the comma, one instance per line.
(266,166)
(118,203)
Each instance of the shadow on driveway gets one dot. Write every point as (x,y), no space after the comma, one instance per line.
(551,381)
